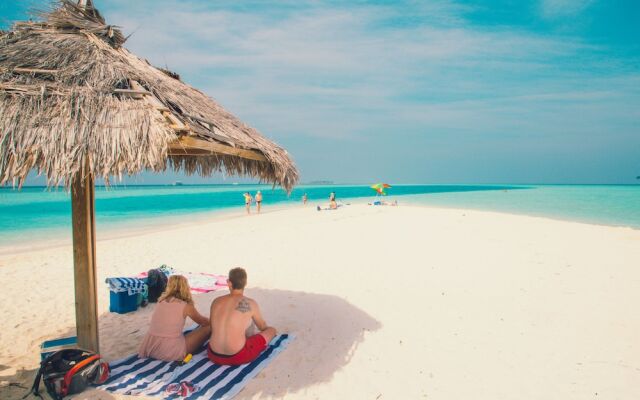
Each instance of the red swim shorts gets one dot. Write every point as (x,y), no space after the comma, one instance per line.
(251,350)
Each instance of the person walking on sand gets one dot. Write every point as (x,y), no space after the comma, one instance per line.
(258,200)
(247,202)
(304,199)
(231,317)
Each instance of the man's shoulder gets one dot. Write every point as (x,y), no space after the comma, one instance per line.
(250,300)
(220,299)
(246,299)
(246,304)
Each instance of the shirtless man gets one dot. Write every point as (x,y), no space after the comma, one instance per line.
(258,200)
(231,316)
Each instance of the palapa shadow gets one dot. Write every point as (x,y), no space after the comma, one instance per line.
(327,331)
(326,328)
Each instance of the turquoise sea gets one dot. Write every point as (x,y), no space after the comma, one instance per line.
(39,213)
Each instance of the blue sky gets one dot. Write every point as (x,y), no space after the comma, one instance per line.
(442,91)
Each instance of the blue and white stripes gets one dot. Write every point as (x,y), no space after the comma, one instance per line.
(130,285)
(148,377)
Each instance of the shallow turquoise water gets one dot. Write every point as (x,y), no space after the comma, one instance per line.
(34,213)
(617,205)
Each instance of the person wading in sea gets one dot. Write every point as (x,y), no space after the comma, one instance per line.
(247,202)
(258,200)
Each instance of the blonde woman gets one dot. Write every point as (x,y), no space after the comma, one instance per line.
(165,339)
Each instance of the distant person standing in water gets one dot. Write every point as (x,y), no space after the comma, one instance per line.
(304,198)
(258,200)
(247,202)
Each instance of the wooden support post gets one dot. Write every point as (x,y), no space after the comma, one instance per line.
(84,260)
(185,144)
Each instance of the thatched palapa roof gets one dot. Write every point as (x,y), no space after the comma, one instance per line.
(72,96)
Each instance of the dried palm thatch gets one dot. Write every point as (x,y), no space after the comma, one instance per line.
(72,98)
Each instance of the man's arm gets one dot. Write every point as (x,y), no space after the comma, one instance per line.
(266,331)
(257,316)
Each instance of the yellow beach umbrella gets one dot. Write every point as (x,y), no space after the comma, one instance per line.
(380,187)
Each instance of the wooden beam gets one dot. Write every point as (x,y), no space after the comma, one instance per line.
(84,260)
(188,145)
(189,152)
(174,122)
(212,128)
(13,88)
(206,121)
(132,92)
(35,71)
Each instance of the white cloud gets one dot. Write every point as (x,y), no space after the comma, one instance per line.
(353,75)
(330,68)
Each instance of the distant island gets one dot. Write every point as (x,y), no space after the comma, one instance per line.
(320,183)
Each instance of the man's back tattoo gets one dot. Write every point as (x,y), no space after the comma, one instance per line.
(243,306)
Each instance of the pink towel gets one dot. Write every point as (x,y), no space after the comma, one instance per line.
(200,282)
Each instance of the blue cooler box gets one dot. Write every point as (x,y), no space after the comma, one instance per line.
(122,302)
(51,346)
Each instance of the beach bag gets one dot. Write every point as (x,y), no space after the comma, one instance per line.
(156,283)
(69,371)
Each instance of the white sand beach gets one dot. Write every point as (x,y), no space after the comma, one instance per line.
(384,302)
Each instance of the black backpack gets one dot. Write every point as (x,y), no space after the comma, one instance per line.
(157,283)
(69,371)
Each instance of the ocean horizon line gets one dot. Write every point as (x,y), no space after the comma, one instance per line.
(7,187)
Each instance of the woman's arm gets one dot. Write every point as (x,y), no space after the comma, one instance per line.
(191,312)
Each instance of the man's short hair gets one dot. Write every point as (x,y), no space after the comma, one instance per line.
(238,278)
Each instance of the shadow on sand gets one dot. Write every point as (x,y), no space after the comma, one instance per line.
(327,331)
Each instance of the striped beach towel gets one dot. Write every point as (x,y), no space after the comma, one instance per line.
(130,285)
(148,377)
